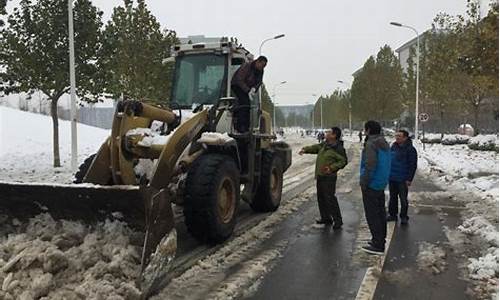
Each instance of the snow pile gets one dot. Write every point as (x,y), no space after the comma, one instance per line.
(215,138)
(145,167)
(480,226)
(484,143)
(486,266)
(455,139)
(68,260)
(150,137)
(26,146)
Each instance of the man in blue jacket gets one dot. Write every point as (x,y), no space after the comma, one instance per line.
(374,176)
(403,167)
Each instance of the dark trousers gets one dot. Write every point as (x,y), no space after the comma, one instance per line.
(242,112)
(374,203)
(398,190)
(327,201)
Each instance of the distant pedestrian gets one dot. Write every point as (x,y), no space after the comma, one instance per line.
(320,136)
(360,136)
(331,158)
(403,168)
(374,176)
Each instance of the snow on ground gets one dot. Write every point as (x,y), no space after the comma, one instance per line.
(431,258)
(472,177)
(26,146)
(60,259)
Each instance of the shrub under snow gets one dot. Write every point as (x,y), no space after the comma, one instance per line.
(484,143)
(455,139)
(432,138)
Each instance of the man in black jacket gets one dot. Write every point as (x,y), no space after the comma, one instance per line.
(403,167)
(245,82)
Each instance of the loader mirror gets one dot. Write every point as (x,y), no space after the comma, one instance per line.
(168,60)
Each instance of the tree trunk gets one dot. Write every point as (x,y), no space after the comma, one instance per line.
(441,122)
(55,131)
(476,120)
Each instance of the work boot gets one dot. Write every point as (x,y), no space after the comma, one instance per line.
(372,249)
(392,218)
(337,225)
(404,221)
(324,222)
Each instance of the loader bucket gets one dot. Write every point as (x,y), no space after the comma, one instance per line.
(143,208)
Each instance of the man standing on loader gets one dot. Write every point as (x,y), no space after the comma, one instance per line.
(244,84)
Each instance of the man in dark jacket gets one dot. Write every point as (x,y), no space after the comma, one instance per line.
(331,158)
(403,167)
(374,176)
(245,82)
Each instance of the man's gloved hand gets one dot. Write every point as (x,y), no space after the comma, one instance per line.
(252,93)
(326,170)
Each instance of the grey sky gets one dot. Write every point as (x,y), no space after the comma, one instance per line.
(326,40)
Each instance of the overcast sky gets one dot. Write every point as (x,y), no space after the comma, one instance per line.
(326,40)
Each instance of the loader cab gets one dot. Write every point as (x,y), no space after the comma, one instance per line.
(202,76)
(199,79)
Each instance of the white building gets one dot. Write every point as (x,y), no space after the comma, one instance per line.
(404,51)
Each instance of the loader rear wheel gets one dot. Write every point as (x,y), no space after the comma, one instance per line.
(212,197)
(82,170)
(268,196)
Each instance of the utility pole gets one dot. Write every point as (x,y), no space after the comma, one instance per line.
(72,80)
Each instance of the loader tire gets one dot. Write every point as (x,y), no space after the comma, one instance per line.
(268,196)
(212,196)
(82,170)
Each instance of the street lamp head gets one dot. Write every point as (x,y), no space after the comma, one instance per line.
(340,81)
(279,36)
(283,82)
(396,24)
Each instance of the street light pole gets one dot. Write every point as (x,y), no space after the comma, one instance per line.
(74,145)
(274,104)
(418,70)
(350,107)
(260,53)
(269,39)
(314,110)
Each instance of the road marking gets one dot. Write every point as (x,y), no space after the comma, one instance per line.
(370,280)
(437,206)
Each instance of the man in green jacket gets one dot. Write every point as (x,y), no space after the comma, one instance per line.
(331,158)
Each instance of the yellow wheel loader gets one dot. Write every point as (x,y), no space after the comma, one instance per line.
(186,153)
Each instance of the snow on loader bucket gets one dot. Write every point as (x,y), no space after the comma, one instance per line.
(108,184)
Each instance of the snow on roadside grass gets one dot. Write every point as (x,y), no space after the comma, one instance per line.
(26,146)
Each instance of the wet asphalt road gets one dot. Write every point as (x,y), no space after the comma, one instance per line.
(320,263)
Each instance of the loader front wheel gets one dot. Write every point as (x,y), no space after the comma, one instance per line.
(82,170)
(268,196)
(212,196)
